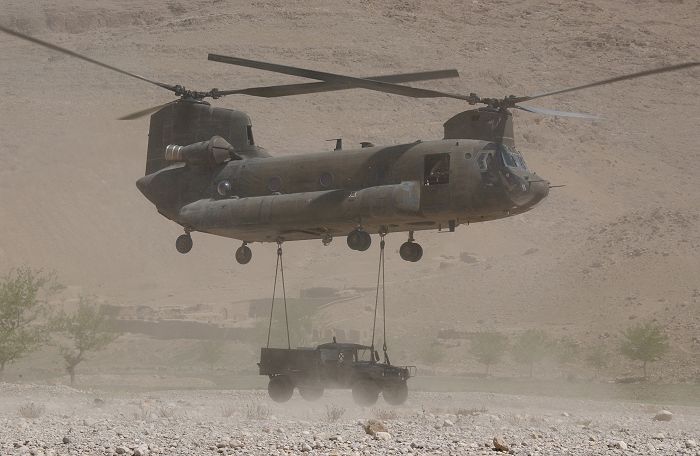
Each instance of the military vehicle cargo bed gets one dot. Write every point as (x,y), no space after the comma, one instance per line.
(277,361)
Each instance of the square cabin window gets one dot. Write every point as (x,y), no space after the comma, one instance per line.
(436,170)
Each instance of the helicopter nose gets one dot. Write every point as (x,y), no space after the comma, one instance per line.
(539,190)
(142,184)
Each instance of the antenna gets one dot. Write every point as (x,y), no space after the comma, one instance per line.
(338,143)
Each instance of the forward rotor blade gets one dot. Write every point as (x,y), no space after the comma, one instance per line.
(625,77)
(551,112)
(317,87)
(342,80)
(145,112)
(82,57)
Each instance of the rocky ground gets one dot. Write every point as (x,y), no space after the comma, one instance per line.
(65,421)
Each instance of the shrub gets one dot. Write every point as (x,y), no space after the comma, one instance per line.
(256,411)
(334,413)
(227,411)
(31,410)
(385,414)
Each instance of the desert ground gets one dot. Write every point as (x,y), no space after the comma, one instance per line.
(617,245)
(243,422)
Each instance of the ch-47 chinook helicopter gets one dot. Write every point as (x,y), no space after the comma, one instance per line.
(205,172)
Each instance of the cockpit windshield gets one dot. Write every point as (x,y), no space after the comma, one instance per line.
(511,157)
(364,354)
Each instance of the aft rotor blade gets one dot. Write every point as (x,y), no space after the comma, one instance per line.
(625,77)
(317,87)
(145,112)
(342,80)
(551,112)
(82,57)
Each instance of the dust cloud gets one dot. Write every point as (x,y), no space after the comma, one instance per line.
(616,247)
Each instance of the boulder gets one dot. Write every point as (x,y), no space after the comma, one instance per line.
(373,426)
(382,436)
(499,444)
(618,444)
(663,415)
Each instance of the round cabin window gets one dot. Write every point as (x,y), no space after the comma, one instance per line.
(325,180)
(274,184)
(468,156)
(223,188)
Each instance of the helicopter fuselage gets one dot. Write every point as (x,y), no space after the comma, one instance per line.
(409,187)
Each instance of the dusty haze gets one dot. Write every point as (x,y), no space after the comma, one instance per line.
(618,245)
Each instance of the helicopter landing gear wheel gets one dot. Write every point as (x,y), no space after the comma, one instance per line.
(411,251)
(359,240)
(183,243)
(244,254)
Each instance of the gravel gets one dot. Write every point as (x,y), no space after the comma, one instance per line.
(193,422)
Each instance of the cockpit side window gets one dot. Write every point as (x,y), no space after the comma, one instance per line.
(484,160)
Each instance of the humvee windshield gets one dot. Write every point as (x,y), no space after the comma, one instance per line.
(347,354)
(364,354)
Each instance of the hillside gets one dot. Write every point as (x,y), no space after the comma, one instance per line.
(619,243)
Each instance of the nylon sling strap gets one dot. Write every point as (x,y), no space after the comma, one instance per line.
(380,284)
(279,268)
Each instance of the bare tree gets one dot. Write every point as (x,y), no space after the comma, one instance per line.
(23,294)
(85,330)
(645,342)
(488,348)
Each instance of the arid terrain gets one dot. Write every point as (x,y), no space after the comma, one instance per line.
(617,245)
(244,422)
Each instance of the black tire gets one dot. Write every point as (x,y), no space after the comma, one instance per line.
(359,240)
(280,388)
(395,393)
(243,254)
(411,251)
(365,393)
(366,241)
(418,252)
(183,243)
(311,393)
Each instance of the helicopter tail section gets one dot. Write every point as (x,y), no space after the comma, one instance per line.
(188,122)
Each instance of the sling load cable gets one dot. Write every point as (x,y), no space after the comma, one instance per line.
(279,268)
(380,282)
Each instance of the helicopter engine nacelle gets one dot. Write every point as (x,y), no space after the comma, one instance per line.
(213,152)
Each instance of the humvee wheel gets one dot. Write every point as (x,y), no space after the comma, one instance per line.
(365,392)
(395,393)
(311,393)
(280,388)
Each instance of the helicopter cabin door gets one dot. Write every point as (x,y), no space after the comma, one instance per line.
(435,188)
